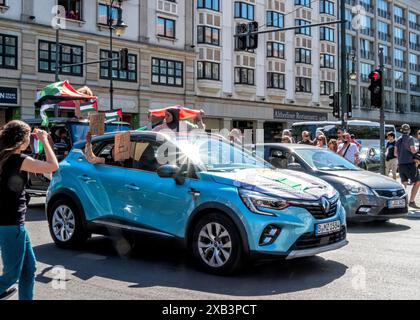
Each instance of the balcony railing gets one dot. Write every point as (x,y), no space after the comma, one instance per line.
(384,36)
(415,87)
(414,25)
(400,63)
(400,84)
(384,14)
(414,67)
(415,108)
(366,54)
(400,108)
(400,20)
(400,42)
(415,46)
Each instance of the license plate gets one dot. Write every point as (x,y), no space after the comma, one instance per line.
(395,204)
(327,228)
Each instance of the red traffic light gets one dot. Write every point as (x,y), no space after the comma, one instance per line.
(375,76)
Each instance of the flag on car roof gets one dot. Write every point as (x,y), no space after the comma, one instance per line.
(184,113)
(113,116)
(57,92)
(89,107)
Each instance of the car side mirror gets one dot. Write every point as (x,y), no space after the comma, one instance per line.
(295,166)
(171,171)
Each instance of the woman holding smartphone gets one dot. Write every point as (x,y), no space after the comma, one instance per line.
(16,251)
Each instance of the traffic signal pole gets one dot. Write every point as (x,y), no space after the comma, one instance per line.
(343,60)
(382,113)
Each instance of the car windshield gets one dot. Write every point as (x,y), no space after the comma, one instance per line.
(217,154)
(325,160)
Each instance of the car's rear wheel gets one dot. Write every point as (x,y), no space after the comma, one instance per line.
(216,244)
(66,224)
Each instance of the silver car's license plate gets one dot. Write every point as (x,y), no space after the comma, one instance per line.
(396,204)
(327,228)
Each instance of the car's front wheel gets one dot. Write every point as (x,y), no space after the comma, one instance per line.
(66,224)
(216,244)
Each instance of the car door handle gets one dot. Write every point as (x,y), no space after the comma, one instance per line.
(86,178)
(132,187)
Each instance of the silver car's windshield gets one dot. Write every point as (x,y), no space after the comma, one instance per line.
(325,160)
(215,153)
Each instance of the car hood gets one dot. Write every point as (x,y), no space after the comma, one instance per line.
(283,183)
(370,179)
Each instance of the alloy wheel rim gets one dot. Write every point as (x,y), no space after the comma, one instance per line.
(63,223)
(214,244)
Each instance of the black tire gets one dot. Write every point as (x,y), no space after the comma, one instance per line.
(235,260)
(80,234)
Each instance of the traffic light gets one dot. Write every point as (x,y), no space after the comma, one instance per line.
(375,88)
(335,104)
(240,44)
(245,39)
(124,59)
(252,39)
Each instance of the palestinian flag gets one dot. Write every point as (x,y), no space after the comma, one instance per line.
(88,107)
(113,116)
(184,113)
(58,92)
(38,146)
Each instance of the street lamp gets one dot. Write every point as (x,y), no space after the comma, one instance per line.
(119,31)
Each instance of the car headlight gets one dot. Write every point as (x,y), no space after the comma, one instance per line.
(257,202)
(355,188)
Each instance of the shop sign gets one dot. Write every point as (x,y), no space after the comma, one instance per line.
(8,95)
(299,115)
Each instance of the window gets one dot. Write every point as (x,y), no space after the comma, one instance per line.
(244,76)
(68,54)
(303,56)
(166,27)
(366,26)
(275,50)
(327,61)
(208,35)
(365,70)
(244,10)
(117,74)
(305,3)
(399,58)
(305,31)
(327,34)
(349,19)
(275,19)
(412,20)
(326,6)
(8,51)
(387,58)
(73,8)
(208,70)
(327,88)
(303,84)
(103,13)
(167,72)
(275,80)
(399,77)
(383,31)
(209,4)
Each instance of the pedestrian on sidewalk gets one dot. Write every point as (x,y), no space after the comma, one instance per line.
(348,149)
(306,138)
(405,150)
(391,161)
(15,246)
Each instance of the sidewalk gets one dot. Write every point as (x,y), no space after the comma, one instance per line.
(414,213)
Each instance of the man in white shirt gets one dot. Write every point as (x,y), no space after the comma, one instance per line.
(348,149)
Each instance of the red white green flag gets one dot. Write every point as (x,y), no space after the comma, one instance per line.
(184,113)
(113,116)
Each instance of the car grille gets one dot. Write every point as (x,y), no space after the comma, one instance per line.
(310,240)
(319,212)
(390,193)
(387,211)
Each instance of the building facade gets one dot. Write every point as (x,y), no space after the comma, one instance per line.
(395,27)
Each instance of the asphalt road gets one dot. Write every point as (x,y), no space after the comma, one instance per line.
(382,261)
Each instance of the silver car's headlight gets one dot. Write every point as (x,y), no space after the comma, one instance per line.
(355,188)
(257,202)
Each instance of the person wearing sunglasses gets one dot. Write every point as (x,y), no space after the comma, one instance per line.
(306,138)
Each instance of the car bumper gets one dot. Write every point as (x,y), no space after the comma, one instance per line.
(371,208)
(314,251)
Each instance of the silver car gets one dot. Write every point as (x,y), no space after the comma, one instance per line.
(366,196)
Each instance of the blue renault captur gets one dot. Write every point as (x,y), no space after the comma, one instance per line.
(223,203)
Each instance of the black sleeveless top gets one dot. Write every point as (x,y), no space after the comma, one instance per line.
(12,191)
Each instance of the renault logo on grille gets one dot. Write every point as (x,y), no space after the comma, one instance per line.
(325,204)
